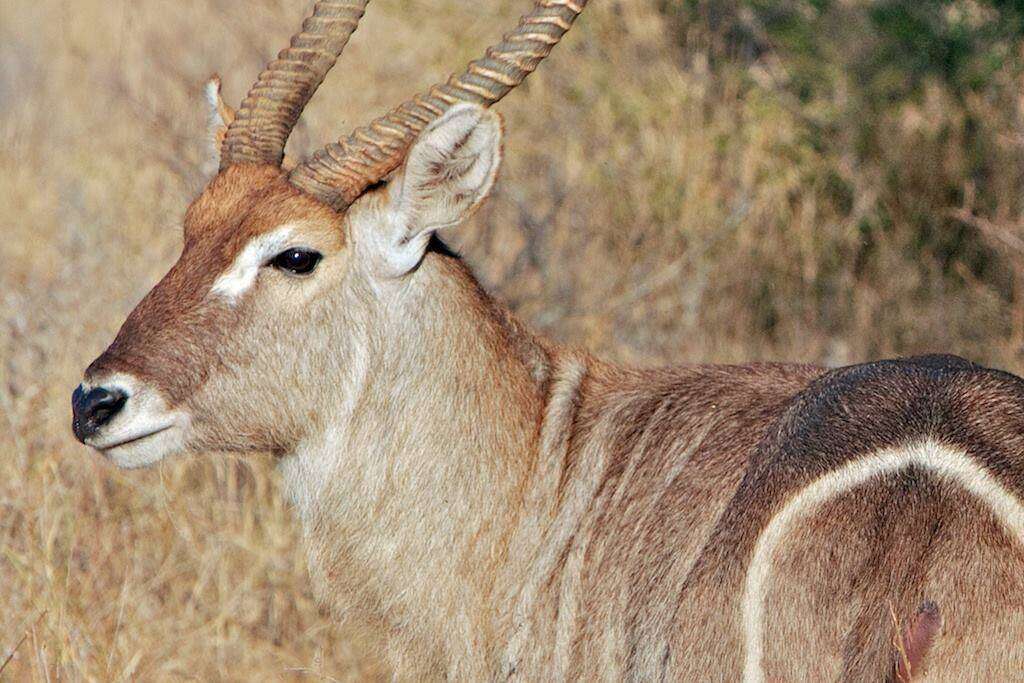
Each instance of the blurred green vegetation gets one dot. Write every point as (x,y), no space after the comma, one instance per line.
(909,120)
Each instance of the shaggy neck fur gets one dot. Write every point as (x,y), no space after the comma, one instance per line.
(409,491)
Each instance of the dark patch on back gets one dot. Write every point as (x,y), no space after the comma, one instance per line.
(860,409)
(840,417)
(863,408)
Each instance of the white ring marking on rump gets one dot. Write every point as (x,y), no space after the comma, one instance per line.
(930,455)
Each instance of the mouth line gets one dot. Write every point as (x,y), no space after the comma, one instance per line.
(133,439)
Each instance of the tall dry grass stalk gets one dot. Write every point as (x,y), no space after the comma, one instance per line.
(654,212)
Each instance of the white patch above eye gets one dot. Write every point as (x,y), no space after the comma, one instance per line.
(236,280)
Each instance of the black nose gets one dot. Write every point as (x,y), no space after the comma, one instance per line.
(92,409)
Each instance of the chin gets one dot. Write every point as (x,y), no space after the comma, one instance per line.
(147,450)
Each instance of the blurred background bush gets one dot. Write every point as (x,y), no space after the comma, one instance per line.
(686,181)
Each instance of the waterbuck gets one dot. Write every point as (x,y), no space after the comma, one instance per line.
(489,504)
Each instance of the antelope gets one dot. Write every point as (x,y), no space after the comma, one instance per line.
(488,504)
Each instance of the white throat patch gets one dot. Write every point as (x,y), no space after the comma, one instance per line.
(236,280)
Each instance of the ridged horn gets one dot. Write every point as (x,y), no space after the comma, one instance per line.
(270,110)
(340,172)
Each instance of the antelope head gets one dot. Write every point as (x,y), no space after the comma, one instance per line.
(230,349)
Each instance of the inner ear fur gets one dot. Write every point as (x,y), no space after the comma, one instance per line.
(451,169)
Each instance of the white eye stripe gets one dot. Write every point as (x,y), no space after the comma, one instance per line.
(236,280)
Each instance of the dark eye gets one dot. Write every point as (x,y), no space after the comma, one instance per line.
(296,261)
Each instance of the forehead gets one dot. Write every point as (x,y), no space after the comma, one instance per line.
(246,201)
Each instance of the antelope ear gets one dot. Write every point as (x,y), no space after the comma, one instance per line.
(219,117)
(447,175)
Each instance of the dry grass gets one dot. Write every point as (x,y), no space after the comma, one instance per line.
(652,212)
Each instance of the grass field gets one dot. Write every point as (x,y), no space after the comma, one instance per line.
(663,200)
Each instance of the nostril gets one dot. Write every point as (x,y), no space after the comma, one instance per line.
(94,408)
(104,404)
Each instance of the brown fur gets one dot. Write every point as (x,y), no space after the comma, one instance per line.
(490,504)
(176,320)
